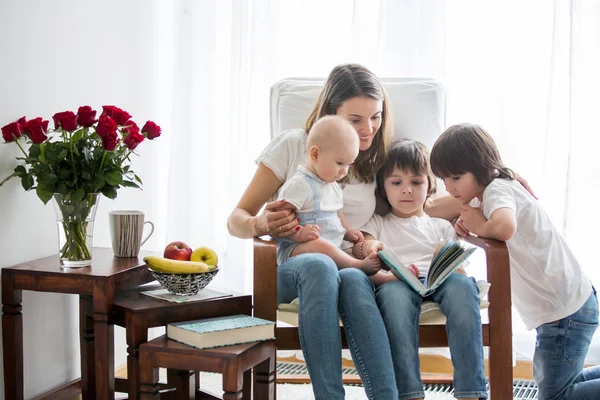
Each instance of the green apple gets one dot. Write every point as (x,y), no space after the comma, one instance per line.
(206,255)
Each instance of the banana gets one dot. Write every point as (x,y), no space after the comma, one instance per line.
(166,265)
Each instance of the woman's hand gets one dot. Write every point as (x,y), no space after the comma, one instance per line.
(280,219)
(525,184)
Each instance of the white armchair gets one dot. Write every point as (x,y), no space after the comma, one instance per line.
(418,109)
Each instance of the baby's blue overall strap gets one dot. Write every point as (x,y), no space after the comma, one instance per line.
(316,193)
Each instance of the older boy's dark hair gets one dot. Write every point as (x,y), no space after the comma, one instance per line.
(466,148)
(406,154)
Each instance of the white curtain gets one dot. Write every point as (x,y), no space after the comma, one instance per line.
(526,71)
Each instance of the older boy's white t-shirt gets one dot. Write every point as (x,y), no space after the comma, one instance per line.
(413,240)
(287,151)
(547,282)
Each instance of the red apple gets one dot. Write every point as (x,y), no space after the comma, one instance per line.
(178,251)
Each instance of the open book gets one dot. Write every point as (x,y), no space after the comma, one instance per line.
(448,257)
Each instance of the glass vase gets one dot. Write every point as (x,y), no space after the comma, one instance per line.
(75,222)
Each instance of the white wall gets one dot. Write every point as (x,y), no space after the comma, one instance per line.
(57,56)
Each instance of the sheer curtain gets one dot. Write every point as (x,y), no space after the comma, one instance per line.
(526,71)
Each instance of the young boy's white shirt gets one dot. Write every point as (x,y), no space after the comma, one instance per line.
(413,240)
(547,282)
(287,151)
(299,192)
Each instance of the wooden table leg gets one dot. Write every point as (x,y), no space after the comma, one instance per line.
(136,333)
(264,384)
(103,299)
(233,380)
(148,378)
(12,338)
(86,345)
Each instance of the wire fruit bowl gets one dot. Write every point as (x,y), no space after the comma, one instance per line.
(184,284)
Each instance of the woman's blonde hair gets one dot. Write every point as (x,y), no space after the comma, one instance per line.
(346,82)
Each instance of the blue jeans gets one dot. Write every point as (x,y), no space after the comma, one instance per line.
(458,298)
(315,280)
(560,350)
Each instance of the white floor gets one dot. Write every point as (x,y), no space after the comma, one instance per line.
(212,382)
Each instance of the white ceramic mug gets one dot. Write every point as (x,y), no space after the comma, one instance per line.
(126,230)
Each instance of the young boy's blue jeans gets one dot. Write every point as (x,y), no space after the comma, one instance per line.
(560,350)
(458,298)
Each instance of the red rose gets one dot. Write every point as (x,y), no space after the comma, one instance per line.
(120,116)
(151,130)
(86,116)
(66,120)
(11,131)
(37,129)
(110,140)
(130,127)
(132,140)
(106,126)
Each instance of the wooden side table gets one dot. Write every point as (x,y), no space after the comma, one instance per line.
(96,286)
(234,362)
(137,313)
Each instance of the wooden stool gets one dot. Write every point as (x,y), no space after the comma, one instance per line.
(234,362)
(137,313)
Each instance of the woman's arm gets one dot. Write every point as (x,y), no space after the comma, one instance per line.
(244,222)
(446,207)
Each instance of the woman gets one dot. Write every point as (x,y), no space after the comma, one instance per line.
(353,92)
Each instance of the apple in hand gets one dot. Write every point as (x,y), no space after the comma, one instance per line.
(206,255)
(178,251)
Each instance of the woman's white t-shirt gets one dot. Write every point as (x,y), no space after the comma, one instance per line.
(287,151)
(547,282)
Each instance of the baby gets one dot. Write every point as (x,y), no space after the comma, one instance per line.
(316,197)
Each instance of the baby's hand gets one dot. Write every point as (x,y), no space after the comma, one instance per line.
(307,233)
(371,264)
(413,269)
(354,236)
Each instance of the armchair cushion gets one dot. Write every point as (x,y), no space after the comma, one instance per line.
(430,311)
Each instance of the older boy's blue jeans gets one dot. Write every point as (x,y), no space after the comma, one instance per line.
(316,281)
(458,298)
(560,351)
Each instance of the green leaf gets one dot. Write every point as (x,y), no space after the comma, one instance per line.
(44,194)
(27,182)
(77,195)
(34,151)
(99,183)
(8,178)
(20,170)
(130,184)
(109,191)
(137,178)
(61,188)
(114,178)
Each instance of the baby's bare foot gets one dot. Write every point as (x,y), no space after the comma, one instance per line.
(370,264)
